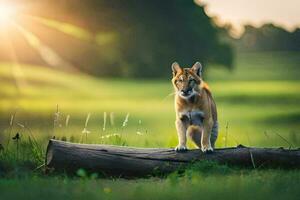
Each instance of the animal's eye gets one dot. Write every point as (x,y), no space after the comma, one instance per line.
(180,80)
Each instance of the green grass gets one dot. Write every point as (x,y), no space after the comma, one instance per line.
(261,66)
(259,101)
(246,185)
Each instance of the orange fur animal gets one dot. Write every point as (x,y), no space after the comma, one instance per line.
(196,112)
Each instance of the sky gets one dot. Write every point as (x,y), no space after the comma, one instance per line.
(285,13)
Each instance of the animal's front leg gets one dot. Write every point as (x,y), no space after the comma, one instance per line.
(181,131)
(205,140)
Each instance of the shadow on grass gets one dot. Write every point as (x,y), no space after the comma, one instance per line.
(286,119)
(259,100)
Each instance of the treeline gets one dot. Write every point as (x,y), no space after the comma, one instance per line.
(132,38)
(268,38)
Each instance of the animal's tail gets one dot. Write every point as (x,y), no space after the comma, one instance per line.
(214,133)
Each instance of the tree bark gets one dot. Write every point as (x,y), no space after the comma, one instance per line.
(129,161)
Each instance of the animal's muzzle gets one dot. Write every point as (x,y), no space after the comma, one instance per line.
(186,92)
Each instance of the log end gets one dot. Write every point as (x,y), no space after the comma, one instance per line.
(49,153)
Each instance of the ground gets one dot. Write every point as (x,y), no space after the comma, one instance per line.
(258,105)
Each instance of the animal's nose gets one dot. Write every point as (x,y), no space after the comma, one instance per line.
(186,92)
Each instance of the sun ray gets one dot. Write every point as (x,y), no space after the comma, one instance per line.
(64,27)
(47,54)
(17,72)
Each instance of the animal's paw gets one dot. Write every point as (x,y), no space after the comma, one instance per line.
(207,149)
(180,148)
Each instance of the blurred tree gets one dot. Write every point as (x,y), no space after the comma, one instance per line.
(268,38)
(134,38)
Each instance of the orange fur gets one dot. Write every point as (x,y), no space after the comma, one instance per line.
(200,102)
(206,86)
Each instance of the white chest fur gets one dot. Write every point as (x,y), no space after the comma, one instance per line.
(193,117)
(188,112)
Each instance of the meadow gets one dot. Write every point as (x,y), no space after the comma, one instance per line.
(258,105)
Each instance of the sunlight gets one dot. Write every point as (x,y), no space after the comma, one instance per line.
(10,16)
(47,54)
(7,12)
(64,27)
(17,72)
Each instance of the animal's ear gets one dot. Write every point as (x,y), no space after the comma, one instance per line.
(197,68)
(176,68)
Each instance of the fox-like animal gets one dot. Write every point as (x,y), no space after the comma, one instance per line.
(196,111)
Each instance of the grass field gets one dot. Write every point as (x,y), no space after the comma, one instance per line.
(258,105)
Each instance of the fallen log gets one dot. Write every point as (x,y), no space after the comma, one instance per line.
(129,161)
